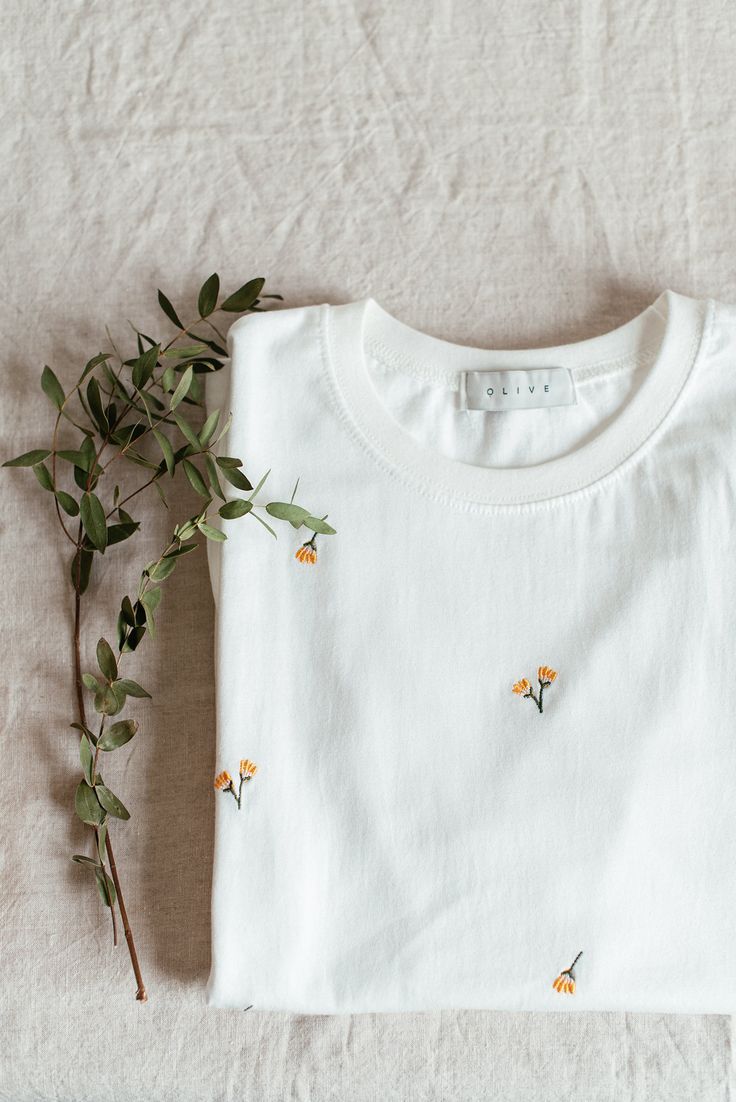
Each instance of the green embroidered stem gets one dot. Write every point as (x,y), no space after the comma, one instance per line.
(541,690)
(538,702)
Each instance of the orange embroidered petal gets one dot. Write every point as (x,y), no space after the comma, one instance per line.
(306,553)
(565,982)
(247,768)
(223,780)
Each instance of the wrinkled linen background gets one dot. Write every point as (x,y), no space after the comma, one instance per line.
(505,174)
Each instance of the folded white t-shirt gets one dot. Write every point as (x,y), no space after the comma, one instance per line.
(493,714)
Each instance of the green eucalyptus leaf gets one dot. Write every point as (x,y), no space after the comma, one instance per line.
(91,682)
(208,428)
(207,300)
(196,479)
(187,431)
(223,432)
(158,573)
(78,458)
(86,804)
(131,688)
(84,730)
(213,480)
(235,477)
(260,484)
(265,525)
(28,459)
(111,803)
(195,392)
(285,510)
(82,860)
(316,524)
(166,450)
(106,660)
(116,533)
(101,357)
(94,401)
(244,297)
(211,533)
(86,757)
(93,520)
(84,480)
(117,735)
(107,702)
(184,549)
(159,491)
(169,310)
(228,461)
(68,503)
(152,597)
(135,635)
(81,568)
(182,388)
(185,351)
(233,509)
(168,380)
(44,477)
(126,610)
(144,366)
(52,387)
(106,887)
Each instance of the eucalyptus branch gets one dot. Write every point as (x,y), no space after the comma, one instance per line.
(123,410)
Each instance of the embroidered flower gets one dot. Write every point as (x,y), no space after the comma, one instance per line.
(565,982)
(307,552)
(545,676)
(224,782)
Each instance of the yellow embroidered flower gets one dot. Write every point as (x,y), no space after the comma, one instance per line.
(545,676)
(565,982)
(307,552)
(224,782)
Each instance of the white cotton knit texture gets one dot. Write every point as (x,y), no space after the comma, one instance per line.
(418,834)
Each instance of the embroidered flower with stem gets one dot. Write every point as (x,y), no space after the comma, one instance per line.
(545,676)
(565,982)
(307,552)
(225,783)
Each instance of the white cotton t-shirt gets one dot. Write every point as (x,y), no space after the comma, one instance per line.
(494,722)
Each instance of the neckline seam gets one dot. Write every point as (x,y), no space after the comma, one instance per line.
(450,495)
(402,363)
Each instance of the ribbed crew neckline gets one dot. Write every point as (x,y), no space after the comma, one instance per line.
(355,330)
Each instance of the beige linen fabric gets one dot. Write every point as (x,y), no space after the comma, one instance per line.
(500,174)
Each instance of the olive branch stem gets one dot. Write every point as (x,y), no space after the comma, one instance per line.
(124,408)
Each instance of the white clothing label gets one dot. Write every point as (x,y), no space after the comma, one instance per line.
(506,388)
